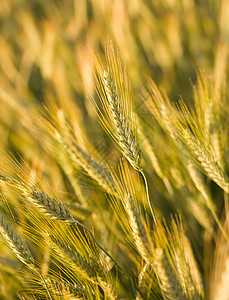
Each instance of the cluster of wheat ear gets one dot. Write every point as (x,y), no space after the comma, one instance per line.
(113,167)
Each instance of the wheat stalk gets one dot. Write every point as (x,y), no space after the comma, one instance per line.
(221,291)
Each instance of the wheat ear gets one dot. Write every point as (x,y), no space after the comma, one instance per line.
(95,170)
(79,265)
(64,257)
(194,272)
(15,243)
(169,285)
(137,227)
(67,289)
(47,205)
(207,161)
(125,135)
(213,131)
(52,208)
(108,289)
(123,127)
(197,178)
(210,166)
(19,248)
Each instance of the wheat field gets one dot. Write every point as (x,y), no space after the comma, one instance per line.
(114,152)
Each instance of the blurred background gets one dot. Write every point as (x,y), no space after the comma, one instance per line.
(46,48)
(46,45)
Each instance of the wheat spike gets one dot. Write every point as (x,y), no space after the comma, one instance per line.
(52,208)
(219,281)
(15,243)
(47,205)
(198,180)
(63,256)
(125,136)
(193,268)
(107,288)
(78,155)
(67,290)
(150,151)
(88,270)
(95,170)
(208,98)
(169,285)
(172,265)
(207,161)
(116,116)
(91,268)
(213,132)
(137,227)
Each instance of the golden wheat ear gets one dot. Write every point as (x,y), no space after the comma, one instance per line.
(189,136)
(14,241)
(114,91)
(49,206)
(79,154)
(20,249)
(174,263)
(116,109)
(208,97)
(219,276)
(130,209)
